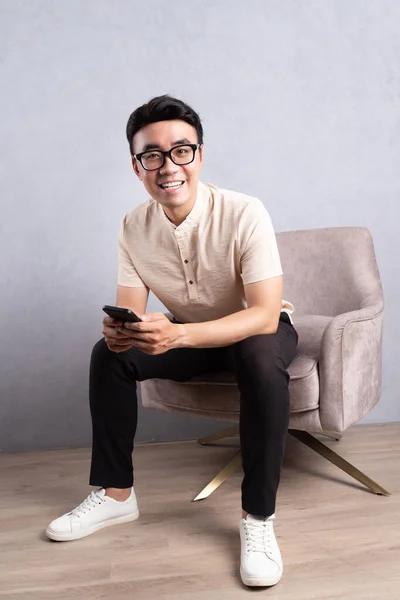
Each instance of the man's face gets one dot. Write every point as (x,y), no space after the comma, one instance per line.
(164,135)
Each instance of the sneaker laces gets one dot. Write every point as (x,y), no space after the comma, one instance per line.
(259,535)
(94,499)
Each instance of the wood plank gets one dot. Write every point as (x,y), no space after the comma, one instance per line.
(337,538)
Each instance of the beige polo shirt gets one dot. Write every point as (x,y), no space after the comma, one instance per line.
(198,269)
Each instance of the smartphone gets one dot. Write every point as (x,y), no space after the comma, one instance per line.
(122,314)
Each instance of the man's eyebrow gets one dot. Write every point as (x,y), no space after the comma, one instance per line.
(148,147)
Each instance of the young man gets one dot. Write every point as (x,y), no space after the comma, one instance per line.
(210,256)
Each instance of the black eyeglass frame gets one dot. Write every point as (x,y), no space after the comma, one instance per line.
(168,153)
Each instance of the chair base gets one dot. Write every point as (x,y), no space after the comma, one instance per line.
(219,435)
(310,441)
(230,468)
(304,437)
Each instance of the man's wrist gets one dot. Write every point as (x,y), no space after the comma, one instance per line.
(182,337)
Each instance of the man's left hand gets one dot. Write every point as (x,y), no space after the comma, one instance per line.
(155,335)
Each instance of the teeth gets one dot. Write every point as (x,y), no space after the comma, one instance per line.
(172,185)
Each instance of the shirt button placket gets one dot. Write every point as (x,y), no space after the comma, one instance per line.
(189,270)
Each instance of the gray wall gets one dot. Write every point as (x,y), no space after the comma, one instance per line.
(300,103)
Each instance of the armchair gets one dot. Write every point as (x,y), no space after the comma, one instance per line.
(332,278)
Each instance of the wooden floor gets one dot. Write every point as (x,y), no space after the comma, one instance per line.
(337,539)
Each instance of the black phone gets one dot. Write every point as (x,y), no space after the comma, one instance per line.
(122,314)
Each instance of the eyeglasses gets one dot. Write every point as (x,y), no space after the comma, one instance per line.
(155,159)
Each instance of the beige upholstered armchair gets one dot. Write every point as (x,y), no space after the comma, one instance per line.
(332,278)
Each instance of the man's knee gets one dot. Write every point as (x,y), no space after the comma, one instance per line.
(257,355)
(263,381)
(105,361)
(101,354)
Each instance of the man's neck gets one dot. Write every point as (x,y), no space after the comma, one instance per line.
(178,215)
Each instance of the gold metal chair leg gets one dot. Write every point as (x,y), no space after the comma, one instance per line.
(314,444)
(220,478)
(219,435)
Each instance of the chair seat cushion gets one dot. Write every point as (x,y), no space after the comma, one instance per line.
(304,382)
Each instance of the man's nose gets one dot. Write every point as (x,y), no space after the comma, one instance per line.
(169,166)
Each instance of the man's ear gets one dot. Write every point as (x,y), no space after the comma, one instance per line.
(201,154)
(135,167)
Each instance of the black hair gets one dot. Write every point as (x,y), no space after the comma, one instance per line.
(162,108)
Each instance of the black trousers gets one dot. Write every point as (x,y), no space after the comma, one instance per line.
(259,364)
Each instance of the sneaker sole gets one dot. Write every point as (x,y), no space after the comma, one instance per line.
(260,581)
(68,537)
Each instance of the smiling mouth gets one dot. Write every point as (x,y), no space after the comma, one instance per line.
(171,185)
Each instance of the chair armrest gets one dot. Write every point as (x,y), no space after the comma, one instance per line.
(350,367)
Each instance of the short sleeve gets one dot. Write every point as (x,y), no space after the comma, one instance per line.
(259,255)
(127,274)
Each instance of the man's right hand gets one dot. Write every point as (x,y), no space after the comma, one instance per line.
(116,341)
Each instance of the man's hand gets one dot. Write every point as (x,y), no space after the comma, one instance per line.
(155,335)
(115,340)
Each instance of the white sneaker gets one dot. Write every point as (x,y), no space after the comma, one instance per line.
(96,512)
(260,560)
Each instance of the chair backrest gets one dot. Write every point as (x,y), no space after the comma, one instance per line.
(329,271)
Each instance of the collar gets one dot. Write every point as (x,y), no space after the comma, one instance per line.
(203,194)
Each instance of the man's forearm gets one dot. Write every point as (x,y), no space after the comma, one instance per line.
(228,330)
